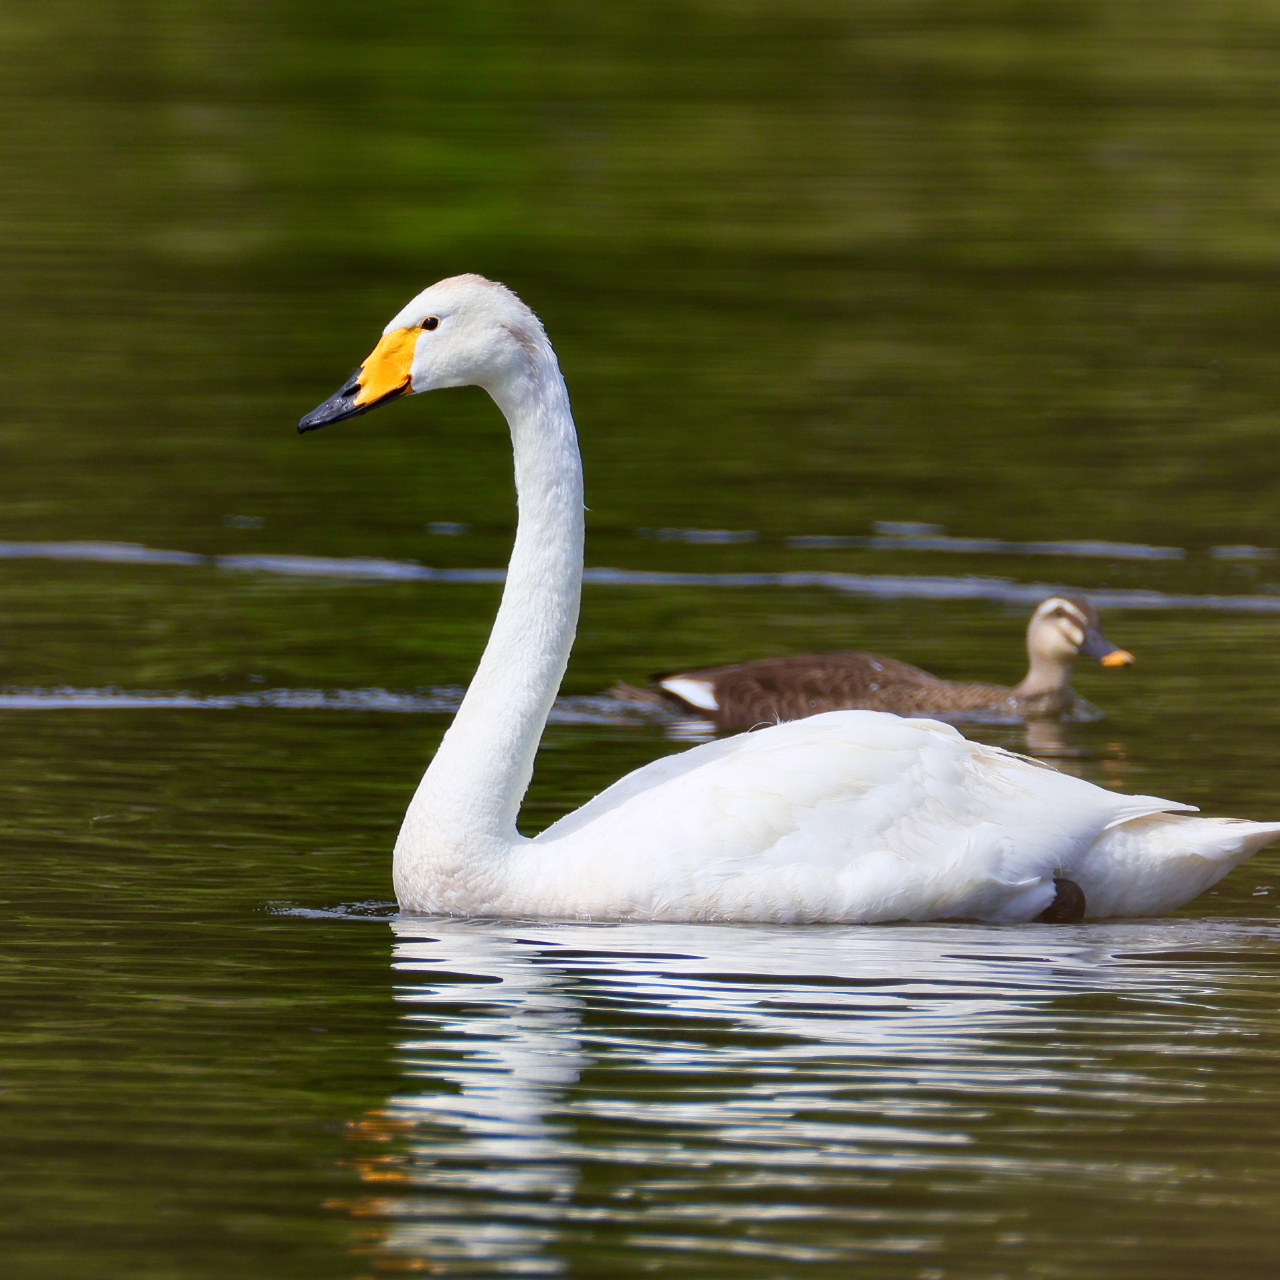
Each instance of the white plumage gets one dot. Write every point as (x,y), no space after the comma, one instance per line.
(861,816)
(850,816)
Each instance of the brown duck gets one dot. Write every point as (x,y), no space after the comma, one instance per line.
(747,694)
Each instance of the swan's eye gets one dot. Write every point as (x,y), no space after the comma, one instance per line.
(431,322)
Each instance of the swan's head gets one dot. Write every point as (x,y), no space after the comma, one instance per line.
(464,331)
(1066,627)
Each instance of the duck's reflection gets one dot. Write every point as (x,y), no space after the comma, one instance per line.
(754,1091)
(1069,746)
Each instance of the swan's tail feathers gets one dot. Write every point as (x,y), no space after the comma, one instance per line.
(1235,839)
(1150,865)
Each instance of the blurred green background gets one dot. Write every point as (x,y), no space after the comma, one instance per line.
(1007,267)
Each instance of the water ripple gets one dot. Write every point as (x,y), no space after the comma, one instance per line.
(872,585)
(441,700)
(106,552)
(1085,549)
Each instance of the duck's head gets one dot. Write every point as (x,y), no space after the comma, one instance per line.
(463,331)
(1064,628)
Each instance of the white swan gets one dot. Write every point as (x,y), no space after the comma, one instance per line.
(849,816)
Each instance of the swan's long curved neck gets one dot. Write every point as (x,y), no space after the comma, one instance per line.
(470,795)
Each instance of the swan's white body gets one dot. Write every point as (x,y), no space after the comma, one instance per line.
(848,816)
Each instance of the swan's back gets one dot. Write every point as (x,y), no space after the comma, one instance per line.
(852,815)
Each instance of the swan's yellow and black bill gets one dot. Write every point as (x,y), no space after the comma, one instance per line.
(383,376)
(1096,645)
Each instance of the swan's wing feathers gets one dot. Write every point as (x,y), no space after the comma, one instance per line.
(854,815)
(743,770)
(654,774)
(1131,807)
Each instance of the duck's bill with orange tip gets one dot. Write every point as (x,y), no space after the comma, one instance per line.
(383,376)
(1096,645)
(1117,658)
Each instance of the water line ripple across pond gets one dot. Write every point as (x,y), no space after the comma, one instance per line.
(437,701)
(883,586)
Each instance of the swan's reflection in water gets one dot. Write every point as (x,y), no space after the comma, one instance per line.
(748,1101)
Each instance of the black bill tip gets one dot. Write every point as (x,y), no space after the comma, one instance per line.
(337,407)
(342,405)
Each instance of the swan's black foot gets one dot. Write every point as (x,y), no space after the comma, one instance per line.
(1067,906)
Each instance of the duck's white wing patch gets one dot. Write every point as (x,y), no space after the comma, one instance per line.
(697,693)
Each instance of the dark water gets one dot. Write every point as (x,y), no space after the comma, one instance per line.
(1007,269)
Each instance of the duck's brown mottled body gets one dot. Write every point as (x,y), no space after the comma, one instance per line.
(777,689)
